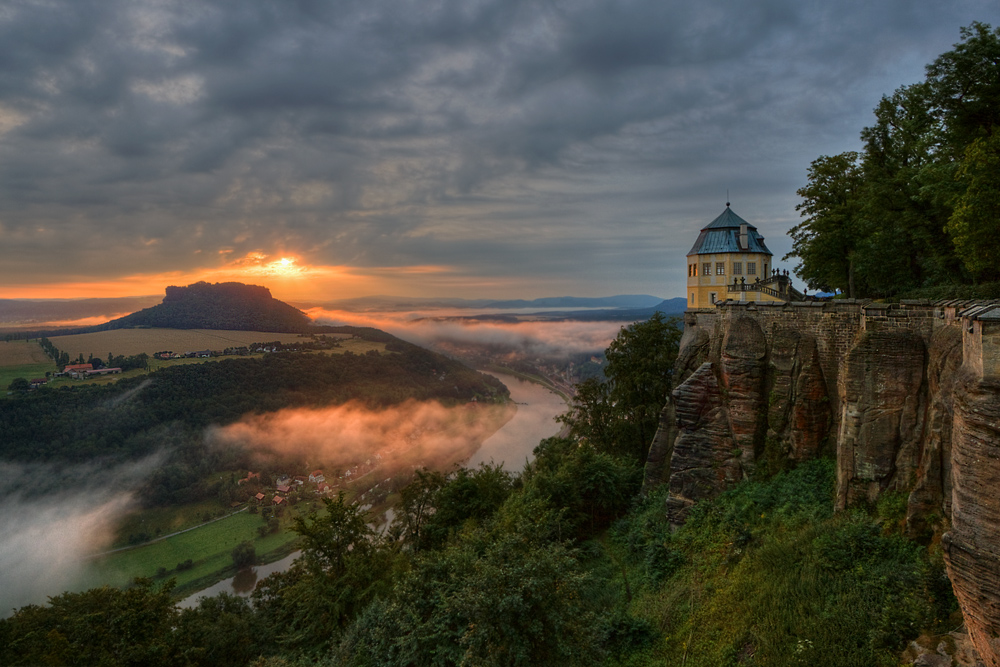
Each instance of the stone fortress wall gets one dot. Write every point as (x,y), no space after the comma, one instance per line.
(905,396)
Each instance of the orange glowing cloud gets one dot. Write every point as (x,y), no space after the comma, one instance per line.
(412,433)
(288,276)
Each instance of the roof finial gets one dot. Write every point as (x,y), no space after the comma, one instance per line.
(727,197)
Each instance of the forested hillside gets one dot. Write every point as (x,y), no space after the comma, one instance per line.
(561,565)
(172,407)
(919,206)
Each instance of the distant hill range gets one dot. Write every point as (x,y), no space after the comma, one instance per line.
(236,306)
(385,303)
(674,306)
(668,307)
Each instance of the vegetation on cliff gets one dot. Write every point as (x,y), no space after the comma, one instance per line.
(562,564)
(918,206)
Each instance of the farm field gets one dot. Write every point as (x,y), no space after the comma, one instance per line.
(134,341)
(209,547)
(22,359)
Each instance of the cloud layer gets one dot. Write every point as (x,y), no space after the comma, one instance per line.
(413,433)
(516,147)
(52,518)
(529,338)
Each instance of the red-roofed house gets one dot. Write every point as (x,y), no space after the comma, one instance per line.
(78,370)
(277,500)
(317,476)
(323,488)
(284,488)
(259,496)
(250,475)
(78,367)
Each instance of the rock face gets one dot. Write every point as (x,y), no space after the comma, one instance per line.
(798,414)
(702,460)
(907,397)
(930,501)
(972,547)
(882,395)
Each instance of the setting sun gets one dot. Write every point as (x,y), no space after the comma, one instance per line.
(283,267)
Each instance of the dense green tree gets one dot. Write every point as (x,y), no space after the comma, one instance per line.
(244,555)
(620,415)
(417,502)
(344,565)
(224,631)
(975,224)
(913,209)
(506,594)
(19,385)
(101,626)
(826,241)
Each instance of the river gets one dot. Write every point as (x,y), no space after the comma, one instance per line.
(512,446)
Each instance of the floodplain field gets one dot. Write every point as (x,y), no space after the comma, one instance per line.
(128,342)
(209,548)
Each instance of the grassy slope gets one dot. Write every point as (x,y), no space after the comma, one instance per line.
(768,575)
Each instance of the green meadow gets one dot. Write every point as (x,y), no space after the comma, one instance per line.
(208,547)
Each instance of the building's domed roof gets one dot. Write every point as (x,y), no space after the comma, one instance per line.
(723,235)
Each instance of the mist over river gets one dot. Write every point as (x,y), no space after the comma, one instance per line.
(512,445)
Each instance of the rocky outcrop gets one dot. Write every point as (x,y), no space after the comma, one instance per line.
(703,459)
(907,396)
(799,383)
(929,504)
(882,395)
(754,400)
(743,367)
(972,547)
(798,414)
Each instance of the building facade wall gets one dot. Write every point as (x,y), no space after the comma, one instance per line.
(701,287)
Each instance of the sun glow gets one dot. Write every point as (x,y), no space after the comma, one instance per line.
(285,266)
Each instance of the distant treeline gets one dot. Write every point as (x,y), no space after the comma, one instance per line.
(919,206)
(62,359)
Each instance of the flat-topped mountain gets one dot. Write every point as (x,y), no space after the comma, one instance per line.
(233,306)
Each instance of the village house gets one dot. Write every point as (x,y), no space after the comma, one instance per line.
(102,371)
(316,476)
(77,370)
(283,488)
(277,500)
(259,497)
(250,475)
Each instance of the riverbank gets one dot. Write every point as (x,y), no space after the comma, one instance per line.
(512,445)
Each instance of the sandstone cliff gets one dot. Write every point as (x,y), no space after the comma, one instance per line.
(906,397)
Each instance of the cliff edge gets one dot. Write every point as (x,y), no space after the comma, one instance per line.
(905,396)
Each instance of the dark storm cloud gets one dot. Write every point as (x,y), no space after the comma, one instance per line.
(494,136)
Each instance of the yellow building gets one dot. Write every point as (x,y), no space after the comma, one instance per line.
(730,261)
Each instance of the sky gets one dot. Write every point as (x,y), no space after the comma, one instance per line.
(466,148)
